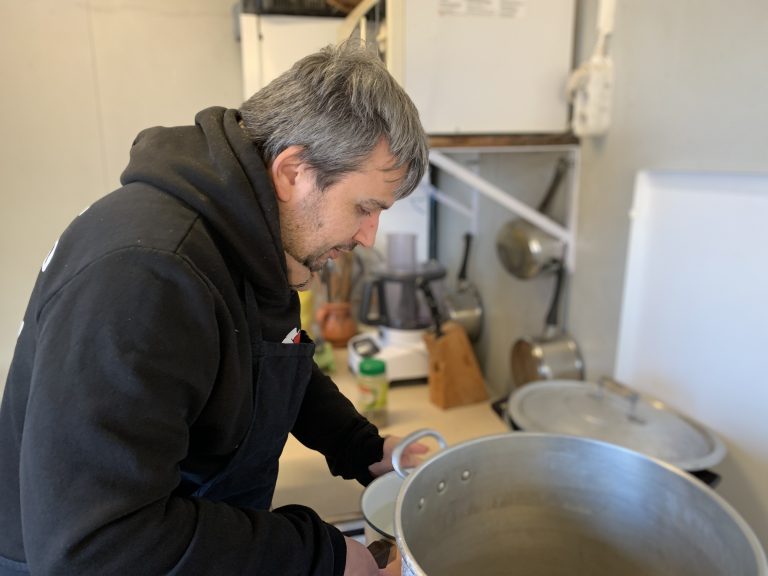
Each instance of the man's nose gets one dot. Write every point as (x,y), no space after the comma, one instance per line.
(366,234)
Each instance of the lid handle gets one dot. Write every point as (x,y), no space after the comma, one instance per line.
(632,396)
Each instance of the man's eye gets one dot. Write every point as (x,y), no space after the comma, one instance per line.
(363,211)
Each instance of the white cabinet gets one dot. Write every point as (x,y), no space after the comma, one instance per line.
(471,67)
(483,67)
(271,43)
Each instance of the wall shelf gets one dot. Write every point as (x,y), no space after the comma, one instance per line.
(504,141)
(439,158)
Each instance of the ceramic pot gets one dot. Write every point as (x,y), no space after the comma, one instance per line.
(336,323)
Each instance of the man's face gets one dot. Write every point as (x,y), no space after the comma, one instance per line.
(316,226)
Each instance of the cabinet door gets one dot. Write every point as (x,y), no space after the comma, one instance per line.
(271,44)
(484,67)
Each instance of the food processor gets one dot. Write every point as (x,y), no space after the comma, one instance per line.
(393,303)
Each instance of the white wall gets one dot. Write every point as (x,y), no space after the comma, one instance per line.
(691,95)
(80,78)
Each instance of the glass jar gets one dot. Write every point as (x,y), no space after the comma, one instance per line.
(372,388)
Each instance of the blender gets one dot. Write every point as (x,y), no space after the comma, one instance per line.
(394,303)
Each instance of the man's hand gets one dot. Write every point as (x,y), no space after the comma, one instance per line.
(410,456)
(360,562)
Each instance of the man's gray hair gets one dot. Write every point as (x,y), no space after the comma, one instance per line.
(338,104)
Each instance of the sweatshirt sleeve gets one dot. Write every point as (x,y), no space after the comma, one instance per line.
(329,423)
(127,353)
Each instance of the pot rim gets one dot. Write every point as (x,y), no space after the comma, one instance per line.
(416,570)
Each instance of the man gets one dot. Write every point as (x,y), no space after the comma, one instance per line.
(161,366)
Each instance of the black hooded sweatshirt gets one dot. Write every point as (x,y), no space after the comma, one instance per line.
(131,383)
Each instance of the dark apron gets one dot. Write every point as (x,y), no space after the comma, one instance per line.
(12,568)
(280,379)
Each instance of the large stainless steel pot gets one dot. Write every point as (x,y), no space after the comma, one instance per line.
(545,505)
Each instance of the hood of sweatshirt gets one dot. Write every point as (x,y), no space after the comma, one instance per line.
(216,170)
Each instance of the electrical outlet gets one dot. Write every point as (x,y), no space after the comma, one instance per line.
(592,91)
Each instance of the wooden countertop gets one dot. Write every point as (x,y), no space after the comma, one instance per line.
(304,477)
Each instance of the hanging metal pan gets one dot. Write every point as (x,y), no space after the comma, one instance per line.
(524,250)
(554,354)
(464,305)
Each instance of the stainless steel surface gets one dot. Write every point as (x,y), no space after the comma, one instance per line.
(544,505)
(543,358)
(464,305)
(616,414)
(465,308)
(554,354)
(525,250)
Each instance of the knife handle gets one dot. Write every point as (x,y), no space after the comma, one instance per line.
(383,552)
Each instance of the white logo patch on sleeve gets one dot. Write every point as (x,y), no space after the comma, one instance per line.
(50,256)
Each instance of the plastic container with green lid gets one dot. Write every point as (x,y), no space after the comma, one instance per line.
(372,387)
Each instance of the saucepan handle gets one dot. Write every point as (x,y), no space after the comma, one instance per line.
(397,453)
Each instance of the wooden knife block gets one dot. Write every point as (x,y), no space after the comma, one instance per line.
(454,374)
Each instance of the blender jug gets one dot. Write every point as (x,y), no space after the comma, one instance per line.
(400,303)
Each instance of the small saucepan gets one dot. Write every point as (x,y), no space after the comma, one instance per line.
(524,250)
(463,305)
(553,355)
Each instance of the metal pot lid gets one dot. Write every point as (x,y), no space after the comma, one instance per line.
(611,412)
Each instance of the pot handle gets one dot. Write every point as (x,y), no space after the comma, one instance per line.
(397,453)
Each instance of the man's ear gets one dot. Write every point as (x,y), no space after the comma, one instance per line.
(286,170)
